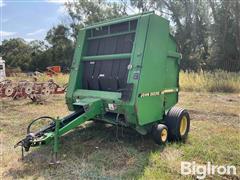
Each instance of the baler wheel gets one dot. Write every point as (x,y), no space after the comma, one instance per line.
(160,133)
(178,123)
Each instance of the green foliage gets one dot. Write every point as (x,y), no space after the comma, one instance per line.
(61,49)
(190,29)
(84,12)
(16,52)
(58,48)
(226,34)
(37,55)
(207,33)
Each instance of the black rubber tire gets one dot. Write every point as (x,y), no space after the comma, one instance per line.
(173,121)
(157,131)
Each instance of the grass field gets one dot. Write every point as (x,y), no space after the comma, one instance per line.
(218,81)
(92,151)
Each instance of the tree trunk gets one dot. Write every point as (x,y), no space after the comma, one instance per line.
(237,15)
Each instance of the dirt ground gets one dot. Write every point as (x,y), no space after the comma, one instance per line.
(93,151)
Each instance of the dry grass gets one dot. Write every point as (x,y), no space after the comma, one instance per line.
(92,151)
(61,79)
(218,81)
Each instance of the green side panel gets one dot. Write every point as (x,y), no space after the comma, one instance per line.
(137,55)
(154,72)
(172,72)
(76,70)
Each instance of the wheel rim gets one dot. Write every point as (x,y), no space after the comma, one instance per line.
(164,134)
(183,125)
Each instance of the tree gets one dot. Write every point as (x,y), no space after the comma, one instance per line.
(190,19)
(143,5)
(84,12)
(61,49)
(190,27)
(17,53)
(41,58)
(207,32)
(225,34)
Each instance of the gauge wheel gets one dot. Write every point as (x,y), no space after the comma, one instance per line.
(160,133)
(178,123)
(28,90)
(9,91)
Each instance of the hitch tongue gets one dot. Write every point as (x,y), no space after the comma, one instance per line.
(25,143)
(28,141)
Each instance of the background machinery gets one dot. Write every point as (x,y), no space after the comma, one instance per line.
(2,69)
(36,91)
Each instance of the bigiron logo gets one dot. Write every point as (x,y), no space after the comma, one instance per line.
(201,171)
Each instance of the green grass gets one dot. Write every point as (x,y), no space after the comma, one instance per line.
(92,151)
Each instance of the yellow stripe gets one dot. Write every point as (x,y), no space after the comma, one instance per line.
(166,91)
(158,93)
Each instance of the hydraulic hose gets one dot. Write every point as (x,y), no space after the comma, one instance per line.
(40,118)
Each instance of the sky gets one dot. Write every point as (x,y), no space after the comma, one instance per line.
(30,19)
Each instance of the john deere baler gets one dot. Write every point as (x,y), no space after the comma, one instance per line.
(124,71)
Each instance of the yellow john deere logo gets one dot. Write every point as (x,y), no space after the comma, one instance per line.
(157,93)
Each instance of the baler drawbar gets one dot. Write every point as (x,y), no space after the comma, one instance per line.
(88,109)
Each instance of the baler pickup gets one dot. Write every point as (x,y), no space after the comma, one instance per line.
(87,108)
